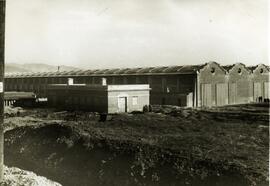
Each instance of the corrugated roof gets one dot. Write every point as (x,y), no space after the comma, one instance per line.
(80,72)
(71,72)
(157,69)
(45,74)
(172,69)
(87,72)
(38,74)
(62,73)
(186,69)
(77,71)
(117,71)
(52,74)
(145,70)
(101,71)
(121,71)
(190,69)
(133,71)
(111,71)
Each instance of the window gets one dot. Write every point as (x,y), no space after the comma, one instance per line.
(163,101)
(131,80)
(239,70)
(179,102)
(135,100)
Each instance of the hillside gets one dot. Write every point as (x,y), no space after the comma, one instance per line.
(35,67)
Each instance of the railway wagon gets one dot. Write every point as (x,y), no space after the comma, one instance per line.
(99,98)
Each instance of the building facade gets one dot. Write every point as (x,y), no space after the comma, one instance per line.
(209,84)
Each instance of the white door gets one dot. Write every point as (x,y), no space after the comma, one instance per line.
(122,104)
(232,93)
(266,90)
(222,94)
(206,95)
(257,91)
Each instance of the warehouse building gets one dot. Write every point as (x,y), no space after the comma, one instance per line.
(235,84)
(260,79)
(205,85)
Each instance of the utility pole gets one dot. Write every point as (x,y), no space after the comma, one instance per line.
(2,71)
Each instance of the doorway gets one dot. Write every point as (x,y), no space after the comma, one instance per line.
(222,94)
(122,104)
(206,95)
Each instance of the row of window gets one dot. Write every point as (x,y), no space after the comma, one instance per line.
(168,84)
(42,87)
(111,80)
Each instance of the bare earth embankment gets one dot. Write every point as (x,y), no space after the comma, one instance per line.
(206,142)
(17,177)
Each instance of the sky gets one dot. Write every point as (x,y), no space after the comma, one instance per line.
(136,33)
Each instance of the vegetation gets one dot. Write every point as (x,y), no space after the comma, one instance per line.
(202,143)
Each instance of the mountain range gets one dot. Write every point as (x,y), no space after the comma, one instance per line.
(35,67)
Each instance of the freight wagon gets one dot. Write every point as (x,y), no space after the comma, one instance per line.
(99,98)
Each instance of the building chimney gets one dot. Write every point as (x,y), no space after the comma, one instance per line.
(70,81)
(104,81)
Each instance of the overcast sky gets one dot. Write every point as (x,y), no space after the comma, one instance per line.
(132,33)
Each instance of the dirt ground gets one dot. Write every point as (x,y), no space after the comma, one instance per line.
(231,138)
(17,177)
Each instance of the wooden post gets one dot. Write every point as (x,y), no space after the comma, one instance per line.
(2,66)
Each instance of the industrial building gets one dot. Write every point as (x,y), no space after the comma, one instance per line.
(209,84)
(99,98)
